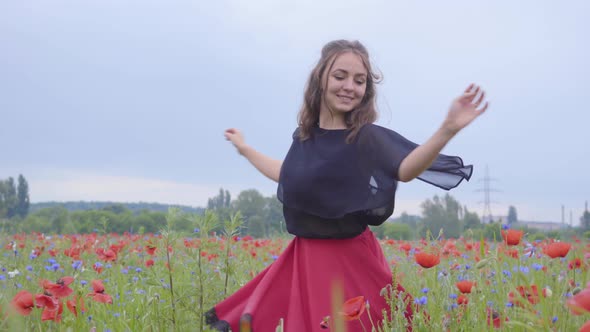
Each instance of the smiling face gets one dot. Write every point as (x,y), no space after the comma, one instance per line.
(344,85)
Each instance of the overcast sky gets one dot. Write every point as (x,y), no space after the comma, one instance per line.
(128,100)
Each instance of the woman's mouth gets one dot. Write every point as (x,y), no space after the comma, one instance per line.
(345,99)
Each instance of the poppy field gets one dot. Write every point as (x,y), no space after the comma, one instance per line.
(167,281)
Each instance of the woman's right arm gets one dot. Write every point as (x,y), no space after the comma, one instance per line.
(271,168)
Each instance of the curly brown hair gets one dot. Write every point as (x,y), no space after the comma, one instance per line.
(309,114)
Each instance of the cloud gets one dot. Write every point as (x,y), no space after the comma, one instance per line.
(76,185)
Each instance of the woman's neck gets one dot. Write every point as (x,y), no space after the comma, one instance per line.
(331,121)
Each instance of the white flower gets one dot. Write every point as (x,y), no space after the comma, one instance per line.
(12,274)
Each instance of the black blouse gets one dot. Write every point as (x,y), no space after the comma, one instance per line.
(331,189)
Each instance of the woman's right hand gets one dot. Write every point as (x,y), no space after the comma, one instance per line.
(235,136)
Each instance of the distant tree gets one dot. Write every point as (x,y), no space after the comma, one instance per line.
(23,201)
(227,200)
(2,199)
(274,215)
(116,208)
(512,216)
(10,198)
(470,219)
(397,231)
(251,205)
(442,213)
(220,201)
(585,220)
(409,220)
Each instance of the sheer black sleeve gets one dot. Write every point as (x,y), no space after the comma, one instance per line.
(329,179)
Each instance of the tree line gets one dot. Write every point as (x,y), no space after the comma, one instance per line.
(14,198)
(261,216)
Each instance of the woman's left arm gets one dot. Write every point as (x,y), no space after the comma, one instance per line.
(463,110)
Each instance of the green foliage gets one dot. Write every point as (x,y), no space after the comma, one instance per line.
(512,216)
(23,200)
(585,220)
(133,207)
(536,237)
(444,214)
(397,231)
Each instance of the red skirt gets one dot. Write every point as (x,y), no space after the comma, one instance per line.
(297,287)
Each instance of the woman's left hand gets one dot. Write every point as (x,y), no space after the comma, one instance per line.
(465,108)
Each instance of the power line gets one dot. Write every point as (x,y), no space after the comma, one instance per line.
(487,189)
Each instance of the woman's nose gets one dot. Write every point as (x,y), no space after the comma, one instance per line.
(348,85)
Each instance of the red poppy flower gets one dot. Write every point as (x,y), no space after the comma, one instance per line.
(585,327)
(98,268)
(53,314)
(46,301)
(465,286)
(493,318)
(580,302)
(73,305)
(151,250)
(427,260)
(108,255)
(462,299)
(557,249)
(99,295)
(531,293)
(512,237)
(60,288)
(353,308)
(23,302)
(149,263)
(575,263)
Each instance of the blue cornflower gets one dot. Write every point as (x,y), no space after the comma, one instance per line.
(2,277)
(274,257)
(467,266)
(135,279)
(138,270)
(453,296)
(124,271)
(554,319)
(421,301)
(524,269)
(425,290)
(55,266)
(32,256)
(108,265)
(490,303)
(29,268)
(76,265)
(51,261)
(537,266)
(507,273)
(505,226)
(83,282)
(509,304)
(196,230)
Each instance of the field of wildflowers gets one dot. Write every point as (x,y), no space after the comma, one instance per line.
(166,281)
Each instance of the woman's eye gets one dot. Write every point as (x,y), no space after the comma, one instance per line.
(340,78)
(360,82)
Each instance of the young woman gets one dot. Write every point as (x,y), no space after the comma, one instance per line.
(339,176)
